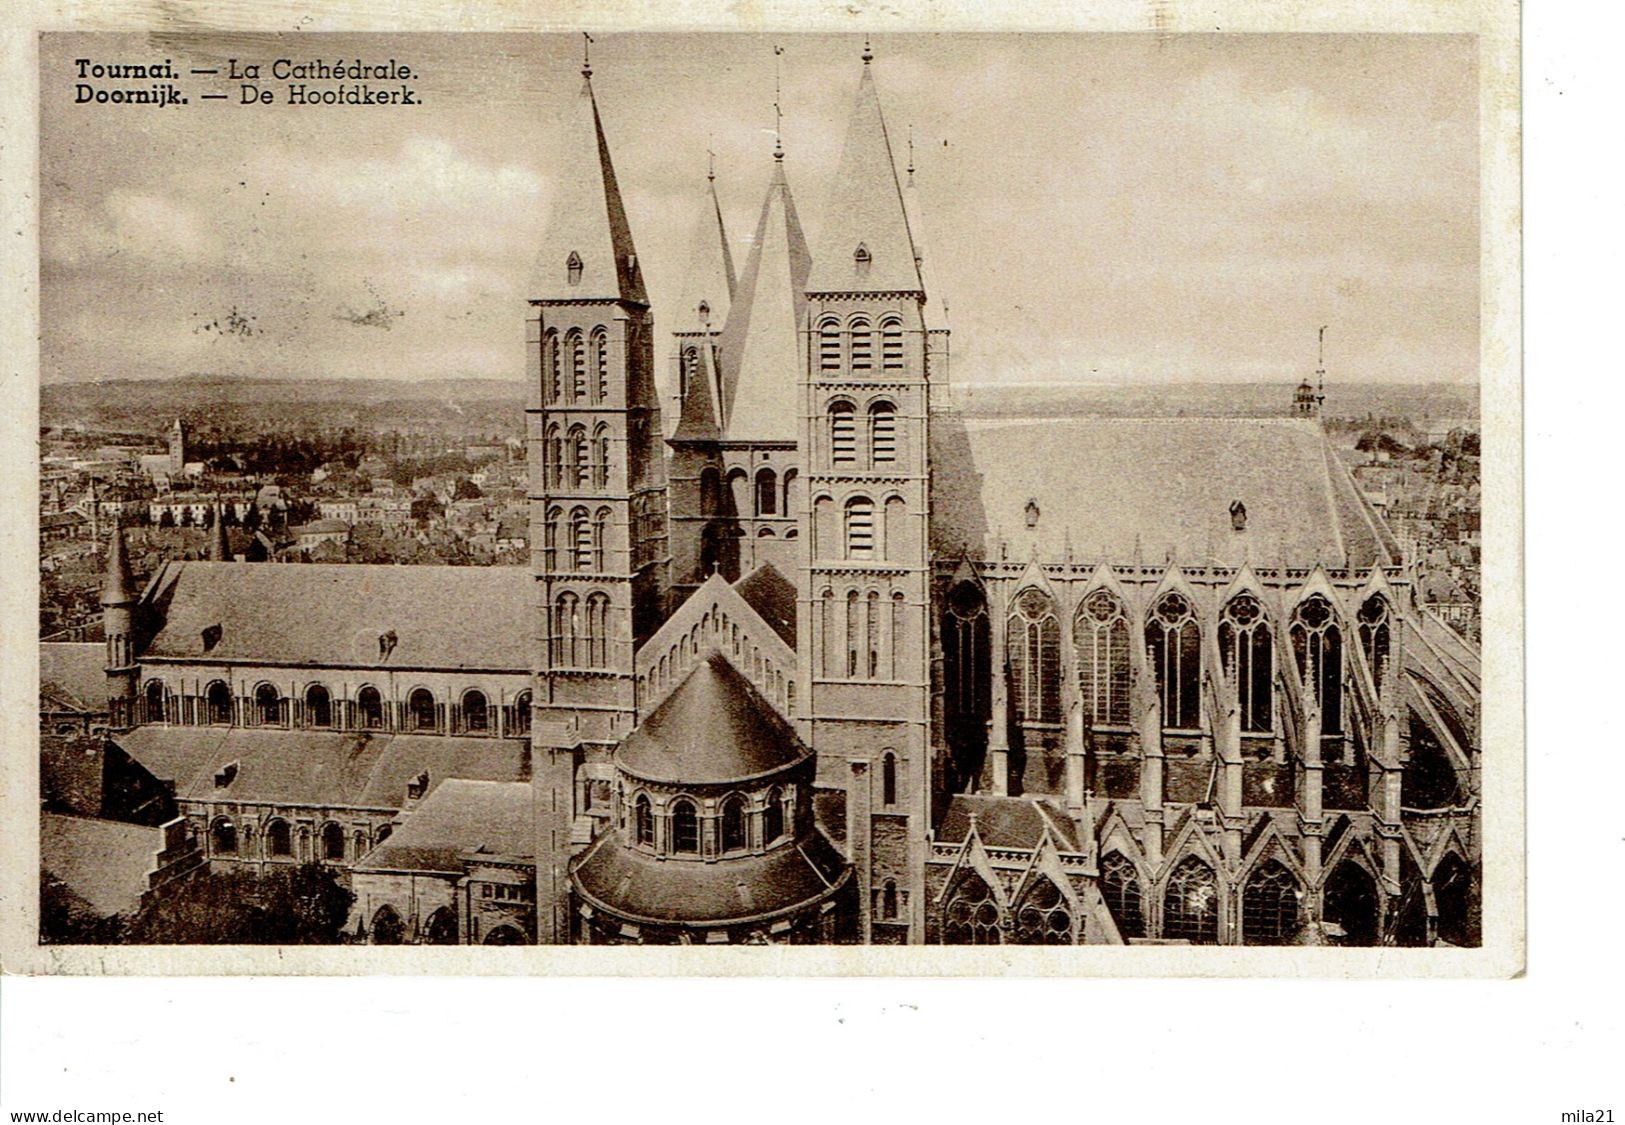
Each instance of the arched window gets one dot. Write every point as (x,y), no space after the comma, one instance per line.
(687,370)
(1269,906)
(387,927)
(971,916)
(685,828)
(860,528)
(888,779)
(899,639)
(600,538)
(567,627)
(441,928)
(1120,884)
(223,837)
(333,841)
(360,842)
(891,344)
(854,633)
(710,492)
(550,366)
(872,634)
(733,825)
(550,538)
(476,712)
(767,492)
(1318,643)
(580,540)
(279,838)
(553,457)
(420,705)
(1100,635)
(828,659)
(1374,637)
(843,434)
(318,706)
(1033,653)
(268,705)
(966,658)
(600,457)
(579,453)
(882,434)
(598,630)
(371,706)
(155,701)
(1350,898)
(521,714)
(217,698)
(829,344)
(1190,906)
(863,345)
(772,818)
(600,364)
(738,492)
(1043,917)
(578,366)
(1459,922)
(792,493)
(643,821)
(1249,660)
(1174,644)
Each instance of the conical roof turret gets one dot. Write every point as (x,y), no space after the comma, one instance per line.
(118,586)
(761,343)
(586,251)
(708,287)
(699,419)
(865,245)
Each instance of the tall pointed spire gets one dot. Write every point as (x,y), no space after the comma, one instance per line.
(586,251)
(865,245)
(708,287)
(762,340)
(118,587)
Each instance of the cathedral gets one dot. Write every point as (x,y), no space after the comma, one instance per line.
(805,654)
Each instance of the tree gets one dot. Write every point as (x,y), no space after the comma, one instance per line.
(466,490)
(304,905)
(66,919)
(251,518)
(166,518)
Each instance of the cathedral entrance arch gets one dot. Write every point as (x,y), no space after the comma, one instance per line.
(505,935)
(441,928)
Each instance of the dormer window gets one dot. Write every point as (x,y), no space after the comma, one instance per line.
(211,637)
(386,643)
(861,259)
(1032,513)
(705,313)
(225,775)
(417,787)
(572,268)
(1238,516)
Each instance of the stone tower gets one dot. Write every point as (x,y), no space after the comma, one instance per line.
(177,448)
(118,600)
(864,574)
(597,494)
(696,456)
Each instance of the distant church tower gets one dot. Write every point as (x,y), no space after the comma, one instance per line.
(864,578)
(177,448)
(1306,401)
(597,491)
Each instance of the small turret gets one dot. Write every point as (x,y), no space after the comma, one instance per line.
(118,601)
(1308,397)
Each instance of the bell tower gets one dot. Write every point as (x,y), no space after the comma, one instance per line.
(597,495)
(864,577)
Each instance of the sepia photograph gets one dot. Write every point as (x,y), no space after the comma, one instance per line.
(769,489)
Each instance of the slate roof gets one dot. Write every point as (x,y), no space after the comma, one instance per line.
(105,863)
(714,727)
(865,207)
(761,342)
(588,216)
(1007,822)
(77,671)
(303,767)
(710,278)
(443,617)
(773,597)
(1115,488)
(645,889)
(460,818)
(698,417)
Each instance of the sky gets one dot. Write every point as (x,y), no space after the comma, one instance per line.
(1129,208)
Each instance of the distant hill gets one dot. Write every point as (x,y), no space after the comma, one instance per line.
(1248,400)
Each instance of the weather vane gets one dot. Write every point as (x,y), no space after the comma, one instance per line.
(586,55)
(778,109)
